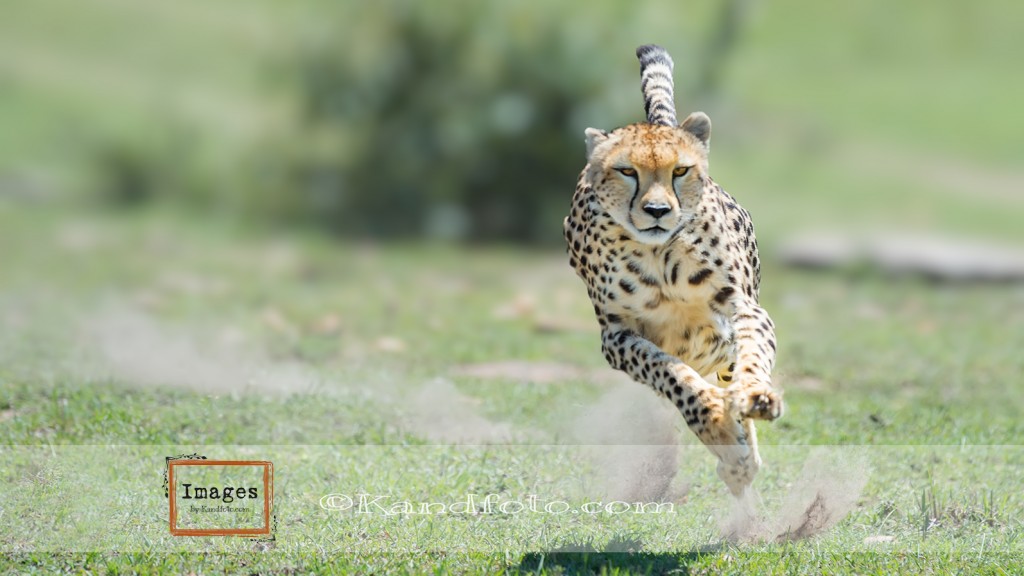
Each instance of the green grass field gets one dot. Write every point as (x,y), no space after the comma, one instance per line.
(429,373)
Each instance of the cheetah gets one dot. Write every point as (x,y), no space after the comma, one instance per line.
(670,263)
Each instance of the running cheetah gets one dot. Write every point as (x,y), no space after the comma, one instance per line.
(670,263)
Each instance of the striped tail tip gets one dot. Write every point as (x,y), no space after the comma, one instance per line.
(656,84)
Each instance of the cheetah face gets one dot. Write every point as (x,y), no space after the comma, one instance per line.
(649,178)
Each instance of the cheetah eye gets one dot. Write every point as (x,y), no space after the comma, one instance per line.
(680,171)
(628,172)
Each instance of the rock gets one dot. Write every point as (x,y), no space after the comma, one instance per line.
(932,257)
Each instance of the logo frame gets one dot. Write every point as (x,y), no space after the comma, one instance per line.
(268,501)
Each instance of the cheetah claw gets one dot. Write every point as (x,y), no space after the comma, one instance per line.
(758,401)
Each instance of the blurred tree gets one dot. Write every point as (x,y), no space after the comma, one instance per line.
(458,119)
(435,127)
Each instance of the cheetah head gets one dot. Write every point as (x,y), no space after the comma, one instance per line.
(648,177)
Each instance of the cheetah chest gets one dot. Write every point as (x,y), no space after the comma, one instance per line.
(670,299)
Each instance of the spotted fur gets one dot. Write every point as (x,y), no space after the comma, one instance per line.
(670,263)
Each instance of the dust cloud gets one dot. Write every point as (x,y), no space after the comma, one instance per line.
(630,437)
(128,345)
(135,348)
(824,492)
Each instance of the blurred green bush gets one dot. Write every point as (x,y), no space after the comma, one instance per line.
(461,120)
(452,123)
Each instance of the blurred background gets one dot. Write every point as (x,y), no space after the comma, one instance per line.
(463,121)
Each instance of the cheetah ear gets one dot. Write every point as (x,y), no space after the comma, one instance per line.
(699,125)
(594,138)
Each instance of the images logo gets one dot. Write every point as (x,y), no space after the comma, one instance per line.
(219,497)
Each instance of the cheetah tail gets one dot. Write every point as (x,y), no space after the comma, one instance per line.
(656,84)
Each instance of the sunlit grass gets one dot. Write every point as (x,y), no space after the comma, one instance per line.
(865,361)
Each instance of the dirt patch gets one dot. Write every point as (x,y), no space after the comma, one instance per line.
(542,373)
(521,370)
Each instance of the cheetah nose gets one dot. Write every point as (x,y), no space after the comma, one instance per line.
(657,210)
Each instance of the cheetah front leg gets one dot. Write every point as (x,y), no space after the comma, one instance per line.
(751,392)
(706,408)
(751,395)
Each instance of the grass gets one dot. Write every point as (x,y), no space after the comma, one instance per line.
(348,358)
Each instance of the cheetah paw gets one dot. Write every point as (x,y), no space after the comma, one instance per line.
(757,401)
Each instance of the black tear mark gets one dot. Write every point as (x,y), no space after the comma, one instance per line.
(700,276)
